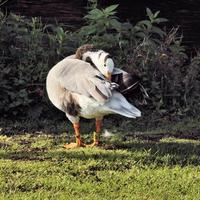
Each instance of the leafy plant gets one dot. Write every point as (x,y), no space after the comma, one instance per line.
(27,52)
(158,56)
(192,85)
(28,49)
(101,21)
(149,28)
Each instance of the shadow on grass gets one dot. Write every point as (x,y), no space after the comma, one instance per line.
(136,152)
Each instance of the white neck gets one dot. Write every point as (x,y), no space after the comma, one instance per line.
(94,56)
(98,59)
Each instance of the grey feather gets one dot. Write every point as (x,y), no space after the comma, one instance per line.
(80,77)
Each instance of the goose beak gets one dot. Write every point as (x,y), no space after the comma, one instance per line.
(108,75)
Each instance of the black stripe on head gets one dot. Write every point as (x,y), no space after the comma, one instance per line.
(89,60)
(106,57)
(100,54)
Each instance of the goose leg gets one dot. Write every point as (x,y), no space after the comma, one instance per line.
(96,136)
(78,143)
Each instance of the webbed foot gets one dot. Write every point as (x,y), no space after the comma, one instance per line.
(74,145)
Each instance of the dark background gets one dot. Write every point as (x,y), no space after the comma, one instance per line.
(183,13)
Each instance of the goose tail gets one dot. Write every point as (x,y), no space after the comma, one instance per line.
(120,105)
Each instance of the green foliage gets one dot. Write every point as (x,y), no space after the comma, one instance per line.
(103,27)
(100,21)
(28,49)
(23,61)
(158,56)
(192,84)
(149,29)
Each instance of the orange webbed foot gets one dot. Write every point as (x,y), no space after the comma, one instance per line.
(94,144)
(74,145)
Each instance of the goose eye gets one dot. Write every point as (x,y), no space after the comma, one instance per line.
(104,64)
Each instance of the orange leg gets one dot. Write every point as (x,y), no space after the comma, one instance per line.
(98,125)
(96,136)
(78,143)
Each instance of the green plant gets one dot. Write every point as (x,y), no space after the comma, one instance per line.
(102,26)
(149,29)
(101,21)
(191,82)
(28,49)
(158,56)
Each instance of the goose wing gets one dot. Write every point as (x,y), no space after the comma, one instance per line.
(80,77)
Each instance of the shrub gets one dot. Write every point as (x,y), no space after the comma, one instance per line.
(28,49)
(158,56)
(192,85)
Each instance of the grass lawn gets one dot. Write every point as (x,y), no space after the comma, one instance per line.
(149,165)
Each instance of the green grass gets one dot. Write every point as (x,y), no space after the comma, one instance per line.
(135,167)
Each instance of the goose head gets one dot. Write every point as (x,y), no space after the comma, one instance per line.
(100,60)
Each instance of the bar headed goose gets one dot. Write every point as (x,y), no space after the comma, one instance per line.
(80,90)
(129,84)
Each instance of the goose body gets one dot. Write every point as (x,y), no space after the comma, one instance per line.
(79,89)
(63,90)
